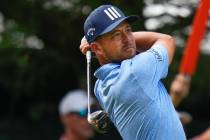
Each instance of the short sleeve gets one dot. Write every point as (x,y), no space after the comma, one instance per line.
(152,65)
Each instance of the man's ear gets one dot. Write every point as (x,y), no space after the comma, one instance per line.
(96,48)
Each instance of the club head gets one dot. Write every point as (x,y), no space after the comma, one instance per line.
(100,121)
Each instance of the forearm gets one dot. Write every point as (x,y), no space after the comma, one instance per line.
(144,40)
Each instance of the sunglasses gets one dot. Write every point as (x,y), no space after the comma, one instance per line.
(84,112)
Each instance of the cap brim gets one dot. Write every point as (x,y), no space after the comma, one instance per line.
(129,19)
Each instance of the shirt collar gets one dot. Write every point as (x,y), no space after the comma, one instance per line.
(104,70)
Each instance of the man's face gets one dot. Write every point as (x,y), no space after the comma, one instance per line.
(118,44)
(78,125)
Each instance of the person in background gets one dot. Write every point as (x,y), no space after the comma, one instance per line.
(179,90)
(203,136)
(73,113)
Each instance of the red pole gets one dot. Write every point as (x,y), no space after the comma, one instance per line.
(191,52)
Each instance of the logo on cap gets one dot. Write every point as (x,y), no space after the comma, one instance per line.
(112,13)
(91,31)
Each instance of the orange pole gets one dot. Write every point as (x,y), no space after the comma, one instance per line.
(192,51)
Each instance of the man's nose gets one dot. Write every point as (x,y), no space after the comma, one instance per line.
(125,37)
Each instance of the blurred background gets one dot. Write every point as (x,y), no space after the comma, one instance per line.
(40,59)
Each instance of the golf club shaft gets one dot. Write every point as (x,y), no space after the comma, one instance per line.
(88,57)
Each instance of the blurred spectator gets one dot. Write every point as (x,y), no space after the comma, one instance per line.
(203,136)
(180,88)
(184,117)
(73,113)
(178,91)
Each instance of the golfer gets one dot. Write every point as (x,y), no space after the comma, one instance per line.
(128,85)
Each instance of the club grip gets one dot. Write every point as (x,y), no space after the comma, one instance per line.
(88,56)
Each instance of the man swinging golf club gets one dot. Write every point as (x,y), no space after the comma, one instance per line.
(128,85)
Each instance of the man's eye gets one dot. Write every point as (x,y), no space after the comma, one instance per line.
(116,34)
(129,30)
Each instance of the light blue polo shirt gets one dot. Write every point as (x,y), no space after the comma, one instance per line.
(135,98)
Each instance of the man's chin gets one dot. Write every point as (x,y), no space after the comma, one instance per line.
(131,55)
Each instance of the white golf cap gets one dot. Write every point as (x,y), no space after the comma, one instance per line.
(74,101)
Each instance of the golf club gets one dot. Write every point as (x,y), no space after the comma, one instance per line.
(98,119)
